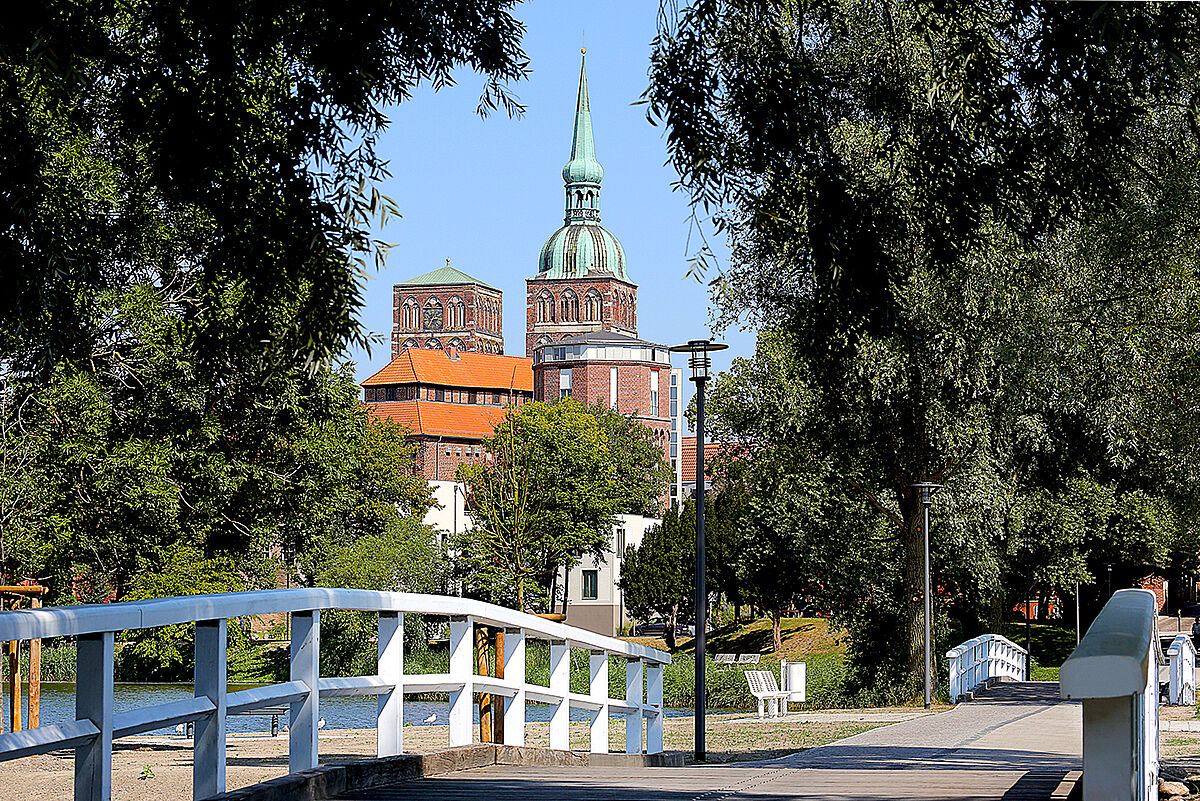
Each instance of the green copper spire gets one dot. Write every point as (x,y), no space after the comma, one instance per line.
(582,247)
(583,173)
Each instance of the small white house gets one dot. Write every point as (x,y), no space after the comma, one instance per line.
(594,601)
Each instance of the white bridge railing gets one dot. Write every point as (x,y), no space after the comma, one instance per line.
(1181,671)
(982,659)
(1114,672)
(96,725)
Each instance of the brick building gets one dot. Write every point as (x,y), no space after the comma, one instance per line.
(447,309)
(449,400)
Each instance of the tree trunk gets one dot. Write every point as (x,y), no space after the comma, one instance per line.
(669,634)
(776,635)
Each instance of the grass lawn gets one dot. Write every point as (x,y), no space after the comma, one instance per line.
(1050,644)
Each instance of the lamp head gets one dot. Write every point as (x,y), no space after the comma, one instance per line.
(698,358)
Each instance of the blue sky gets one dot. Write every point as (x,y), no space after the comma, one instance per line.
(486,193)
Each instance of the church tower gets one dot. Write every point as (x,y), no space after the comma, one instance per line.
(581,284)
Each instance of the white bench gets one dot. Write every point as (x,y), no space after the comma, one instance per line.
(764,688)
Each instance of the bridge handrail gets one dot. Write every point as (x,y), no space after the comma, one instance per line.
(978,660)
(1116,662)
(1181,671)
(97,724)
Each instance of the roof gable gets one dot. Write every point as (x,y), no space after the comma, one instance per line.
(469,369)
(444,275)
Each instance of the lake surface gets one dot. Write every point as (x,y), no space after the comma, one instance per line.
(58,706)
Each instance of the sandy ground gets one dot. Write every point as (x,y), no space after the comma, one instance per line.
(161,767)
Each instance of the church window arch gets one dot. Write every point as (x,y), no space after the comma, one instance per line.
(592,306)
(411,314)
(456,313)
(456,343)
(578,199)
(545,307)
(410,343)
(542,340)
(569,306)
(433,344)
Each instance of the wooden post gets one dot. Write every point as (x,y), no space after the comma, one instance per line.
(497,715)
(35,674)
(14,679)
(485,699)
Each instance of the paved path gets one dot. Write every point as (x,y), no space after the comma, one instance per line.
(1015,742)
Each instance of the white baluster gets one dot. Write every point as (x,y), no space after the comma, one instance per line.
(208,761)
(390,716)
(514,671)
(560,683)
(306,668)
(654,697)
(94,702)
(462,669)
(633,696)
(598,690)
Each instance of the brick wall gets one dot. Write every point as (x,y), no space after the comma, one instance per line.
(481,329)
(1158,586)
(615,315)
(434,464)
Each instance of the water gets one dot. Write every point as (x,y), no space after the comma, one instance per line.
(358,712)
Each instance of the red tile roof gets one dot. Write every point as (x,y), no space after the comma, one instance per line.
(469,369)
(712,451)
(434,419)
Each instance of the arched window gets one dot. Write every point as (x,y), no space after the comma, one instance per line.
(569,305)
(455,314)
(545,307)
(591,201)
(456,343)
(411,314)
(578,199)
(542,341)
(433,344)
(410,343)
(592,306)
(434,321)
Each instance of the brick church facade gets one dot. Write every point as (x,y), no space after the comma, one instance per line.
(581,337)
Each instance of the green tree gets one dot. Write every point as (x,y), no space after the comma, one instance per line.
(239,141)
(556,477)
(658,577)
(925,204)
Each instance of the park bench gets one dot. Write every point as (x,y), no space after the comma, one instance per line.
(764,688)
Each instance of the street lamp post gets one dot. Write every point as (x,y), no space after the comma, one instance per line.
(700,363)
(927,489)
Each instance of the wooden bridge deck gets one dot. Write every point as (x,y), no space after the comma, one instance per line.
(1018,741)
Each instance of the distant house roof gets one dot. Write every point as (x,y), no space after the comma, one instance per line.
(434,419)
(445,275)
(712,451)
(467,369)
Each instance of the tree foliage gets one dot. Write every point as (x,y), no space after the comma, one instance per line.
(230,146)
(964,228)
(554,478)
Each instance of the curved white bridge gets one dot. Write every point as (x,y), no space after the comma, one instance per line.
(96,724)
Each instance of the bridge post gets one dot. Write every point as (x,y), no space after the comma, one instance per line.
(208,761)
(94,703)
(598,689)
(514,671)
(306,669)
(1114,672)
(390,723)
(462,668)
(633,696)
(560,684)
(654,698)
